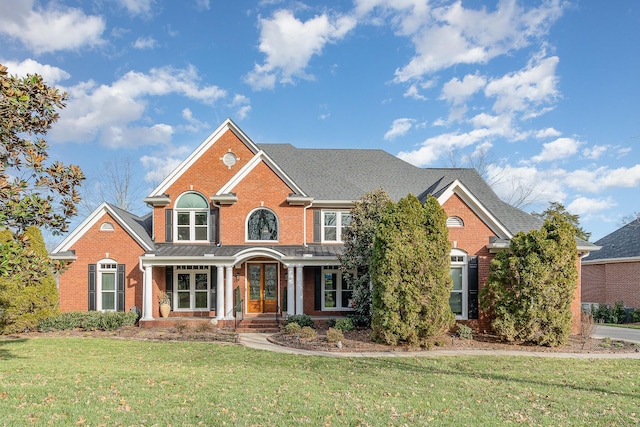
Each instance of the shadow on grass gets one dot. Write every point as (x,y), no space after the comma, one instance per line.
(5,353)
(467,371)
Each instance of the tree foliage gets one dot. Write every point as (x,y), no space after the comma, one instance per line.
(29,294)
(358,247)
(557,208)
(531,286)
(32,192)
(410,274)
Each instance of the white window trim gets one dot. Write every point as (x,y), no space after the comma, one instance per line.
(455,222)
(339,289)
(192,271)
(246,226)
(192,220)
(338,213)
(464,266)
(106,265)
(107,226)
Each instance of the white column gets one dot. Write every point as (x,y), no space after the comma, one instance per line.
(299,300)
(229,293)
(220,293)
(291,296)
(147,294)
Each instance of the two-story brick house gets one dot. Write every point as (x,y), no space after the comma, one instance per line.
(261,225)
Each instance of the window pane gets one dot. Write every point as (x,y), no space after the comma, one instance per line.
(201,218)
(184,300)
(330,234)
(254,282)
(108,281)
(192,201)
(201,233)
(456,275)
(262,225)
(347,302)
(270,281)
(455,302)
(330,299)
(201,282)
(183,218)
(330,281)
(183,233)
(330,219)
(183,282)
(345,218)
(201,299)
(108,301)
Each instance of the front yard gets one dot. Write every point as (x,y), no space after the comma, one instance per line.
(105,381)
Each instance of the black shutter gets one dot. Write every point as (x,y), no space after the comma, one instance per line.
(168,282)
(168,225)
(213,300)
(317,288)
(213,226)
(472,297)
(317,226)
(284,302)
(92,287)
(120,285)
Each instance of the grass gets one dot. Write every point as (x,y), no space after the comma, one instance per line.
(624,325)
(91,381)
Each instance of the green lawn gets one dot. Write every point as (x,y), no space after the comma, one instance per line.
(624,325)
(90,381)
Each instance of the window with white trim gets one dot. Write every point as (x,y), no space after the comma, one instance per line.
(458,272)
(337,294)
(191,289)
(455,222)
(192,218)
(107,286)
(262,225)
(334,225)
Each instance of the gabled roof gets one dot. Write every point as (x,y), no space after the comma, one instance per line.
(624,243)
(347,174)
(137,227)
(227,125)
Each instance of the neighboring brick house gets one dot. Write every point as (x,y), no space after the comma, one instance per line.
(261,224)
(613,273)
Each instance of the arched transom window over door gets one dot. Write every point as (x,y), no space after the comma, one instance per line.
(192,218)
(262,225)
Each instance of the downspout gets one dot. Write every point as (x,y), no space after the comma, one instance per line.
(218,205)
(304,221)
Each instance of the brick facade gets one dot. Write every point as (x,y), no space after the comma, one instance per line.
(607,283)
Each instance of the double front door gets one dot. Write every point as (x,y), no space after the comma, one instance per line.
(263,287)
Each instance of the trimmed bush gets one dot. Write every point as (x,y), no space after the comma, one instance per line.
(610,314)
(345,324)
(301,319)
(292,328)
(334,335)
(89,321)
(308,332)
(464,332)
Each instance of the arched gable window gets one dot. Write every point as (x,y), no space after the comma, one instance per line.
(455,221)
(262,224)
(192,218)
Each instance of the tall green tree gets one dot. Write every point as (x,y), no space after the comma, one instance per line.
(531,285)
(410,274)
(32,191)
(358,248)
(557,208)
(29,294)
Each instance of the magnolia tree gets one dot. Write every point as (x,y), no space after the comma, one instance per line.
(358,248)
(410,274)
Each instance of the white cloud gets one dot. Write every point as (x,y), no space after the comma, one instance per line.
(289,44)
(159,167)
(399,128)
(620,177)
(595,152)
(561,148)
(195,125)
(527,89)
(50,29)
(110,112)
(242,105)
(203,5)
(452,34)
(51,75)
(547,133)
(145,43)
(138,7)
(586,206)
(457,91)
(527,182)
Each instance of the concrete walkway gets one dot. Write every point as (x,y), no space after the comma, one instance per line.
(260,342)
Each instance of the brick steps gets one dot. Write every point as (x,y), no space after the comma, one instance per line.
(258,325)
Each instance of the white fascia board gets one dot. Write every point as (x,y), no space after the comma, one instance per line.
(456,187)
(261,156)
(198,152)
(335,204)
(89,222)
(587,261)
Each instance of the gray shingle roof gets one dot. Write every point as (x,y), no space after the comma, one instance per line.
(141,226)
(347,174)
(622,243)
(170,250)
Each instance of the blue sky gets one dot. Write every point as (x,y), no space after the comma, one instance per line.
(545,92)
